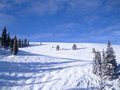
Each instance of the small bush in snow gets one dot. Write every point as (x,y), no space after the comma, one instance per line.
(57,48)
(40,43)
(74,47)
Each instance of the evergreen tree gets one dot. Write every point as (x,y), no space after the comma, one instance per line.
(74,47)
(28,43)
(15,46)
(40,43)
(57,47)
(25,42)
(4,38)
(109,63)
(19,43)
(97,63)
(0,41)
(93,50)
(11,45)
(22,43)
(8,40)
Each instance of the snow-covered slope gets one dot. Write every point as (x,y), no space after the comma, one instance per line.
(41,67)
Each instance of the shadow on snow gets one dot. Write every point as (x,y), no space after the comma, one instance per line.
(9,71)
(32,45)
(24,53)
(90,88)
(118,70)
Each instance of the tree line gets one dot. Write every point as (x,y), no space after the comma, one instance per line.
(7,42)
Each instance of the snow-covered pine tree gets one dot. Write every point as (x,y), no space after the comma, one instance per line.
(93,50)
(57,48)
(109,64)
(94,62)
(74,47)
(40,43)
(97,63)
(15,46)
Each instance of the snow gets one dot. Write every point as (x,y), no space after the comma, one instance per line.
(41,67)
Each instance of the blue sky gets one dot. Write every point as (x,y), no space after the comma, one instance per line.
(62,20)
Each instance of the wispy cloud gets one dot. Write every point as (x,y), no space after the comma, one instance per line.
(53,6)
(6,19)
(85,4)
(69,27)
(103,34)
(46,7)
(45,36)
(112,4)
(42,7)
(2,6)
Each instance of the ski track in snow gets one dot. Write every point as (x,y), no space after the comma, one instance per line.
(41,67)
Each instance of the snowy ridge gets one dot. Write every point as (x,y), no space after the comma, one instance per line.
(41,67)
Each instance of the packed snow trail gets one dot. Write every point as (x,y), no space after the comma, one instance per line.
(41,67)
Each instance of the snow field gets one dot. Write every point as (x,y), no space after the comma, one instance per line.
(41,67)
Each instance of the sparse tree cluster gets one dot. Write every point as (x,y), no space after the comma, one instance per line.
(23,43)
(105,65)
(74,47)
(11,43)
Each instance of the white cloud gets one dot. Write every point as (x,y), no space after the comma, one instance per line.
(47,7)
(54,6)
(109,31)
(42,7)
(85,4)
(44,36)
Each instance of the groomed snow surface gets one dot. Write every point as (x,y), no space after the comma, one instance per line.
(41,67)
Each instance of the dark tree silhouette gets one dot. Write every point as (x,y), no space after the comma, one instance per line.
(4,38)
(74,47)
(57,48)
(15,46)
